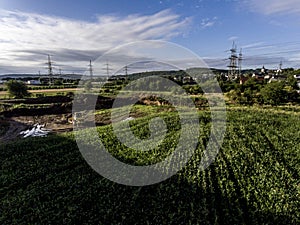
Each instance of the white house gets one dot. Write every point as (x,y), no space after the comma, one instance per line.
(33,82)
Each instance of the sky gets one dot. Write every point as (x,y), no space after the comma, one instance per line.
(74,32)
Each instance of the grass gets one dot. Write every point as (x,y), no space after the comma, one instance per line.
(4,126)
(44,92)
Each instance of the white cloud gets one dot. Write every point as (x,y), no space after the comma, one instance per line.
(295,58)
(269,7)
(25,37)
(208,22)
(253,45)
(233,38)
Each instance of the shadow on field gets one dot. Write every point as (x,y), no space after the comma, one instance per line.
(10,129)
(46,181)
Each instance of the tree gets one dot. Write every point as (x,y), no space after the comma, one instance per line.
(17,89)
(273,93)
(291,94)
(291,81)
(251,84)
(235,96)
(58,82)
(250,91)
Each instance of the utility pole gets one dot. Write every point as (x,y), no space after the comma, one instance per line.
(233,62)
(50,69)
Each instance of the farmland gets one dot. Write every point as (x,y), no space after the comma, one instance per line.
(44,92)
(254,179)
(150,112)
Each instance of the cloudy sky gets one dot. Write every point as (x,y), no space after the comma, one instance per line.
(74,32)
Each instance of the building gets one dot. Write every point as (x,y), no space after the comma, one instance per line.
(33,82)
(243,79)
(261,75)
(298,79)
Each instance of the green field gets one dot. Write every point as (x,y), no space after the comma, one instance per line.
(254,179)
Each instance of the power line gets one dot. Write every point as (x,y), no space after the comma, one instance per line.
(279,52)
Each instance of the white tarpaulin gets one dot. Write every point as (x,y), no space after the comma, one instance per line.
(36,131)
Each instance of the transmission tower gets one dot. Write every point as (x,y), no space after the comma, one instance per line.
(280,65)
(50,69)
(91,69)
(126,70)
(279,71)
(233,62)
(107,69)
(240,59)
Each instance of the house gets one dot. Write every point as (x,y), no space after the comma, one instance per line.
(33,82)
(261,75)
(297,77)
(298,80)
(243,79)
(260,78)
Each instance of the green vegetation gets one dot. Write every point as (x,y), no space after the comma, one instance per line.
(4,126)
(254,179)
(273,93)
(17,89)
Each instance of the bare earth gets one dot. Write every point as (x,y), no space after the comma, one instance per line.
(56,123)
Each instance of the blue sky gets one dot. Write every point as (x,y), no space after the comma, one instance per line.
(75,31)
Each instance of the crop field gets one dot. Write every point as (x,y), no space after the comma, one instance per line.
(253,180)
(44,92)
